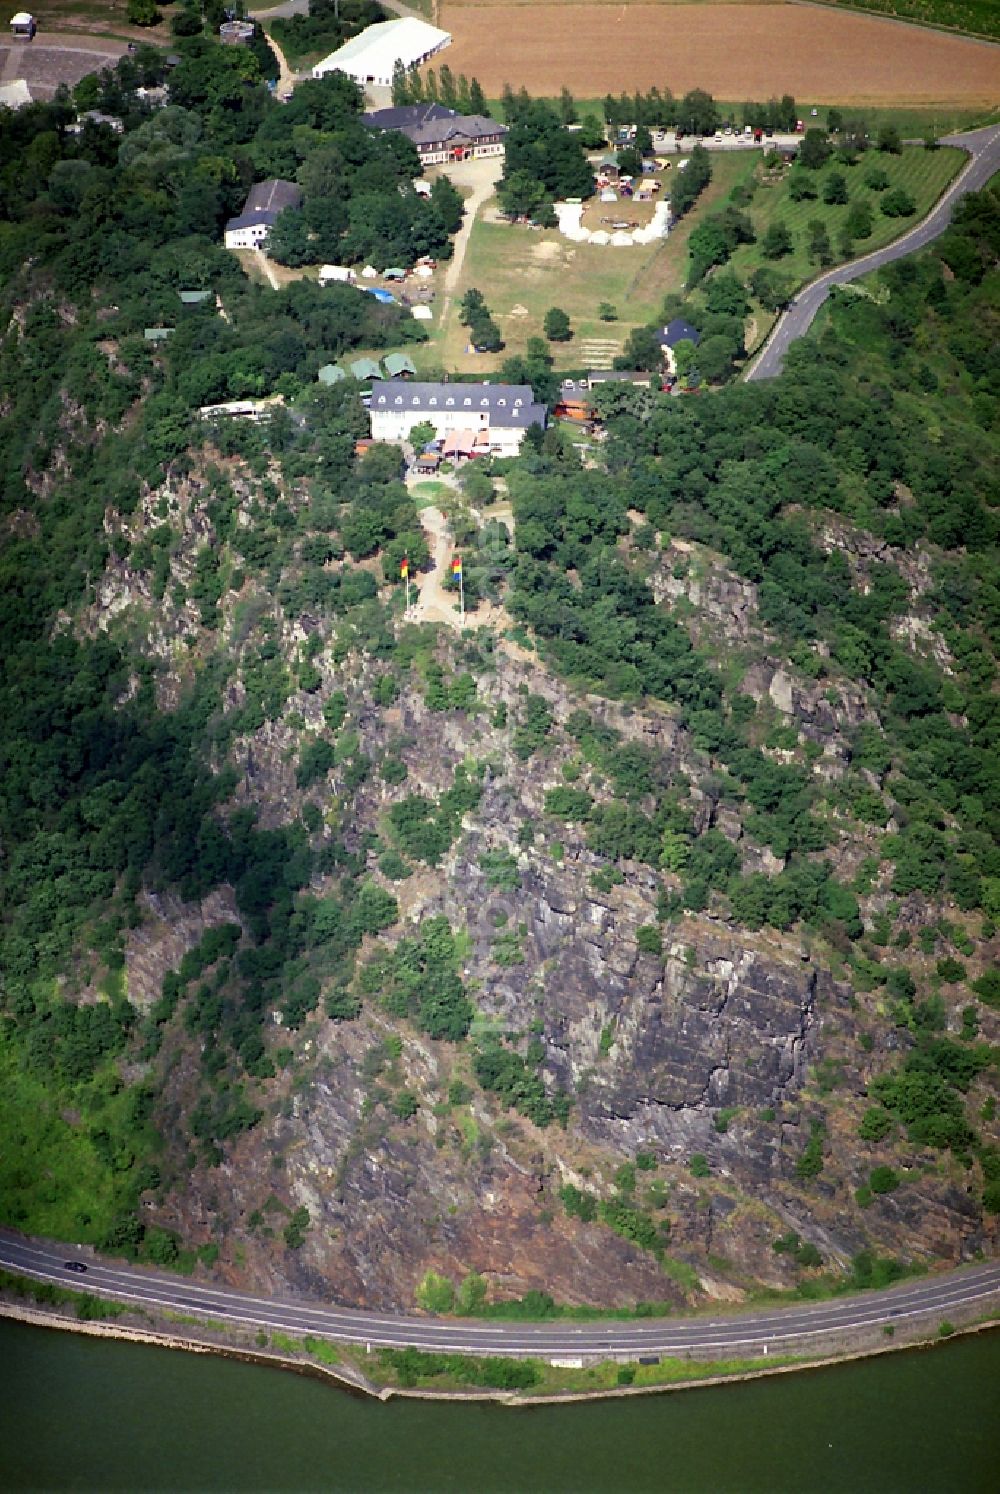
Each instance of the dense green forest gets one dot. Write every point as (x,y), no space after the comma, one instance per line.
(260,561)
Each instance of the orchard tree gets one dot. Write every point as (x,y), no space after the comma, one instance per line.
(859,220)
(772,291)
(777,241)
(898,204)
(820,249)
(557,327)
(835,189)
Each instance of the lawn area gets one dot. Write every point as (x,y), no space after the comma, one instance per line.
(517,268)
(97,17)
(923,174)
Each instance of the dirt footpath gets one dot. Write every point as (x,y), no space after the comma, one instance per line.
(482,177)
(437,601)
(734,51)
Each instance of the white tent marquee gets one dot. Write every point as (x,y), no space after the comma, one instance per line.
(371,57)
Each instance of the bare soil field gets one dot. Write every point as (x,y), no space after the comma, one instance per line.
(734,51)
(67,59)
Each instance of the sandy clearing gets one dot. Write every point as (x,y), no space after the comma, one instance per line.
(735,51)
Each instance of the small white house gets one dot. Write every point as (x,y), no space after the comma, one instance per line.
(265,202)
(23,25)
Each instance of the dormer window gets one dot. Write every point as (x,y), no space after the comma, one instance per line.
(399,399)
(432,400)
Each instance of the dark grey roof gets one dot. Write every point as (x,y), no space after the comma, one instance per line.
(433,124)
(677,331)
(505,404)
(265,201)
(618,376)
(464,127)
(272,196)
(250,220)
(406,117)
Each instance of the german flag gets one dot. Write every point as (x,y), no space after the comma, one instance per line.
(404,568)
(456,567)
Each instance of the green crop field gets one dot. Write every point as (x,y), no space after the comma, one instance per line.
(978,17)
(922,173)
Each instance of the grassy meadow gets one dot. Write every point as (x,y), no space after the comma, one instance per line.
(515,267)
(922,173)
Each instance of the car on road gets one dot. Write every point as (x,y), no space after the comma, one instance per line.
(77,1266)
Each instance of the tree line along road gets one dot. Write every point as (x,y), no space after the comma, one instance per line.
(984,160)
(746,1333)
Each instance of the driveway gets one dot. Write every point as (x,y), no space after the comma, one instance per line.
(482,176)
(984,159)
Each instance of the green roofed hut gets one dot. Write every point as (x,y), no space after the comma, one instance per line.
(399,366)
(331,374)
(365,369)
(195,297)
(157,334)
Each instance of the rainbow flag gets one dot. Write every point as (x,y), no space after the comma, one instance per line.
(404,568)
(456,567)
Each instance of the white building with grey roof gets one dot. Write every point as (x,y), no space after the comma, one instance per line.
(504,412)
(265,202)
(439,134)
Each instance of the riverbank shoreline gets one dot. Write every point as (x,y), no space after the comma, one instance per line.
(347,1378)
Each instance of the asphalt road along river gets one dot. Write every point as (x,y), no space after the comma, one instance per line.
(742,1333)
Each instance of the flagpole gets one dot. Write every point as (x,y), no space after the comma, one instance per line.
(461,594)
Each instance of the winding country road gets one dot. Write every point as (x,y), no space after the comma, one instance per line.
(744,1333)
(984,152)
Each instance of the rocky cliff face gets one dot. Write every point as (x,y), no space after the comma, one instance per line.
(716,1061)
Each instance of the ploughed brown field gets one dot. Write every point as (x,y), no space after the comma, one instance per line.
(734,51)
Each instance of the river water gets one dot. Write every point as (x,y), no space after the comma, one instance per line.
(78,1413)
